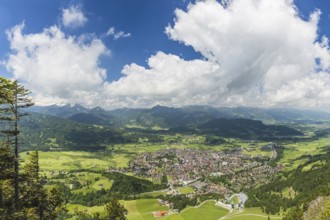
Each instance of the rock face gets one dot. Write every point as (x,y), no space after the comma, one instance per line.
(316,208)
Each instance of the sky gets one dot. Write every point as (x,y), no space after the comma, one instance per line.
(127,53)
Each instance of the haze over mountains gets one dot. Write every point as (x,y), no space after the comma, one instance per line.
(168,117)
(77,127)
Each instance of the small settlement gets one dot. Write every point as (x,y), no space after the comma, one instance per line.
(232,170)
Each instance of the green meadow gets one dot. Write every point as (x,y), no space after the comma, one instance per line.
(186,190)
(250,214)
(294,151)
(234,200)
(74,208)
(206,210)
(142,209)
(70,160)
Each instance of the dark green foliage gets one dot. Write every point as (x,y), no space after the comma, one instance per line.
(181,201)
(14,98)
(6,163)
(52,133)
(164,180)
(167,117)
(213,140)
(21,192)
(280,152)
(6,183)
(246,128)
(115,211)
(294,214)
(35,202)
(307,184)
(92,136)
(129,185)
(123,187)
(99,118)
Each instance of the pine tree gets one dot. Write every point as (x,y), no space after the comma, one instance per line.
(22,195)
(115,211)
(31,188)
(13,98)
(6,182)
(55,204)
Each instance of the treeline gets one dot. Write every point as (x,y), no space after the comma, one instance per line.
(47,132)
(22,195)
(306,185)
(123,187)
(34,201)
(50,133)
(180,202)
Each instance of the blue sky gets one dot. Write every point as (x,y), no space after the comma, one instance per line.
(169,53)
(145,20)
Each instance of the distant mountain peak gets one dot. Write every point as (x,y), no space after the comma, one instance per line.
(97,109)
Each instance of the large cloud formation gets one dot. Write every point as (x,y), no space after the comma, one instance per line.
(55,67)
(256,53)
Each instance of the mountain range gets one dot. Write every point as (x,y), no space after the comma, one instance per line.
(76,127)
(167,117)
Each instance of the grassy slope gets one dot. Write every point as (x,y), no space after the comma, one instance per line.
(89,210)
(142,208)
(83,177)
(207,210)
(70,160)
(250,214)
(186,190)
(295,150)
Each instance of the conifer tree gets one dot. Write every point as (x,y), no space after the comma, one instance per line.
(32,192)
(6,182)
(115,211)
(13,98)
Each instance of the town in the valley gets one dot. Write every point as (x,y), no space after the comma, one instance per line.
(225,173)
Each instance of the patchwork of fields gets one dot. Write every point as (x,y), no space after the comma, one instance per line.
(139,209)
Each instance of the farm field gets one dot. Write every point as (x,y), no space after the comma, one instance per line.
(73,208)
(142,209)
(250,214)
(70,160)
(186,190)
(154,194)
(121,154)
(97,182)
(207,210)
(235,200)
(293,151)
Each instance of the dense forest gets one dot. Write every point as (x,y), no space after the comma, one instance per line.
(123,187)
(306,185)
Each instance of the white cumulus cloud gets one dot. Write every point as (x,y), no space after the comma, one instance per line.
(257,52)
(169,80)
(73,17)
(56,67)
(117,34)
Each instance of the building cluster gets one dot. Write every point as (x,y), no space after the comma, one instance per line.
(186,166)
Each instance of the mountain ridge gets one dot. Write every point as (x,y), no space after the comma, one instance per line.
(170,117)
